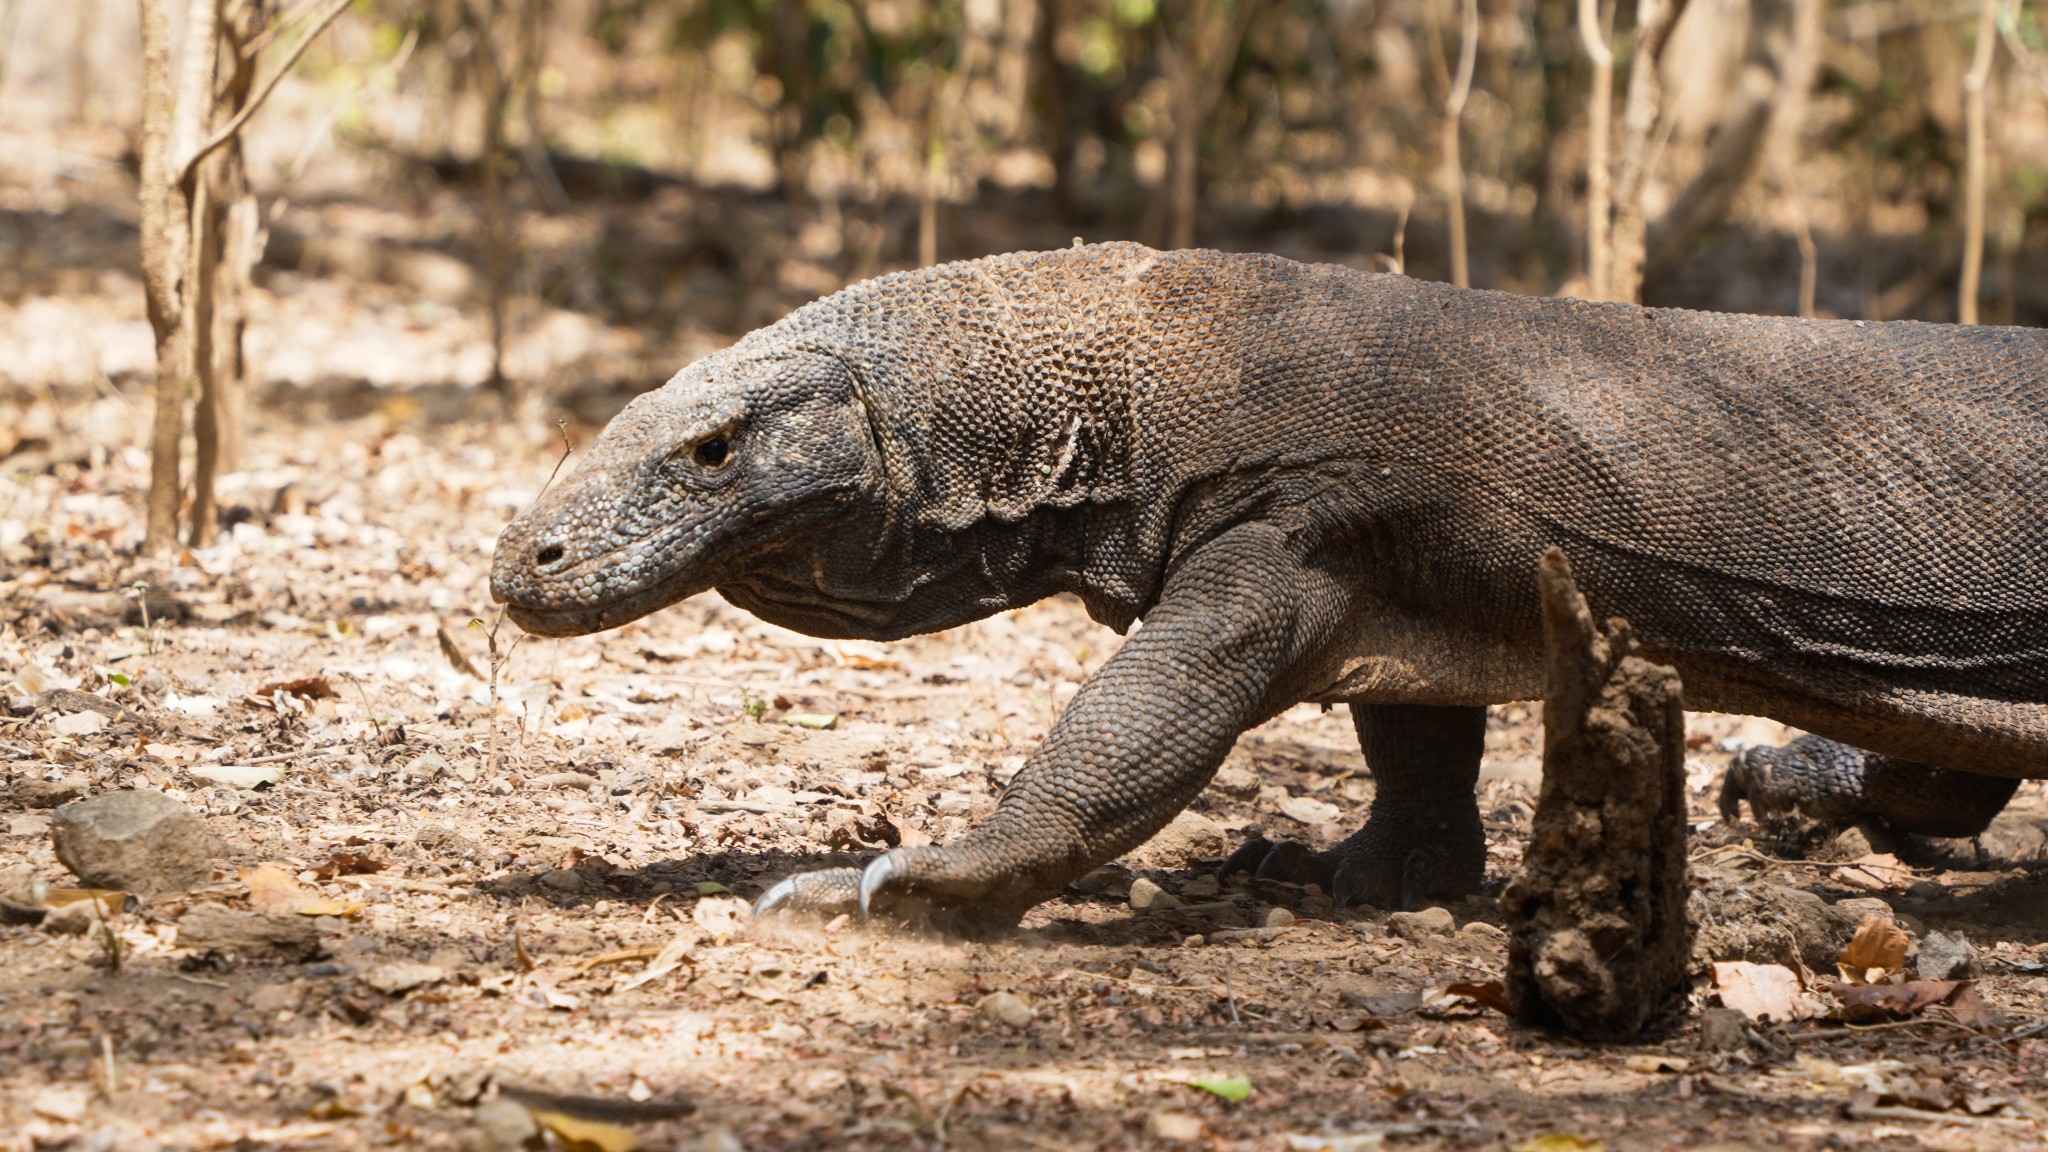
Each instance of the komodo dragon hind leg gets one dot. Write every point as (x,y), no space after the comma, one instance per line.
(1423,840)
(1827,780)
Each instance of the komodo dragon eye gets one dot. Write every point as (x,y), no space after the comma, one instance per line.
(713,453)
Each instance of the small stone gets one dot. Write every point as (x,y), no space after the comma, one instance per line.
(427,766)
(563,879)
(64,1104)
(1236,781)
(1275,918)
(1480,932)
(1946,957)
(1147,896)
(210,928)
(1851,843)
(1176,1127)
(51,793)
(136,840)
(1723,1030)
(503,1125)
(274,998)
(72,919)
(1189,838)
(1420,925)
(1006,1008)
(78,724)
(402,976)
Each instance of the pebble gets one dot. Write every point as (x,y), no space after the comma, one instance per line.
(1417,925)
(1480,932)
(136,840)
(504,1125)
(562,879)
(1148,896)
(1006,1008)
(210,928)
(1723,1030)
(1275,918)
(1946,957)
(401,976)
(1189,838)
(1176,1127)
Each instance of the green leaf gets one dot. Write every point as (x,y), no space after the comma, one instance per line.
(711,888)
(120,678)
(1233,1088)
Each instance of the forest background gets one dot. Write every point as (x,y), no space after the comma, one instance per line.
(476,201)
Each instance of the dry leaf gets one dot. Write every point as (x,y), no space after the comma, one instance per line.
(1763,991)
(582,1135)
(1492,993)
(310,688)
(1877,950)
(1896,1001)
(277,892)
(1561,1142)
(667,960)
(350,864)
(1876,872)
(720,916)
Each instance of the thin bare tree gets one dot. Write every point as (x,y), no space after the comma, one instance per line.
(1201,39)
(1975,81)
(1454,122)
(1593,32)
(1639,118)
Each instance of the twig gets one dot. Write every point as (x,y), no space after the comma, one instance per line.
(229,130)
(1600,116)
(1888,1026)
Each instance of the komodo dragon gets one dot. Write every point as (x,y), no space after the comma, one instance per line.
(1313,483)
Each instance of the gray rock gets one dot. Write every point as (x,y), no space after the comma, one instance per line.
(503,1125)
(563,879)
(209,928)
(1147,896)
(136,840)
(1946,957)
(1275,918)
(72,919)
(1723,1030)
(1189,838)
(1480,932)
(1421,925)
(401,976)
(1006,1008)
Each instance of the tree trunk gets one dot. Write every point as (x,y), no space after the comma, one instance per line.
(163,225)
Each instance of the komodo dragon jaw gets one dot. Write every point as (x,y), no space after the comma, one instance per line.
(735,464)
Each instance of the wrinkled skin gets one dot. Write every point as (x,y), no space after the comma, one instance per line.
(1313,483)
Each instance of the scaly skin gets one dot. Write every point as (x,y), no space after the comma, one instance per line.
(1314,483)
(1829,781)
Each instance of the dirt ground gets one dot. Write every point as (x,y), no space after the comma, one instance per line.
(557,900)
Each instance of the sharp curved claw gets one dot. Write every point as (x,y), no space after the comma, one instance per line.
(777,896)
(876,876)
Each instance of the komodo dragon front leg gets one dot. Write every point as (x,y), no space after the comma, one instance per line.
(1246,623)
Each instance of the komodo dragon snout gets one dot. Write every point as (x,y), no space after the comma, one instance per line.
(732,461)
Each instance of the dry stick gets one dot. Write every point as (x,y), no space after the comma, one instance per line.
(2009,30)
(1974,84)
(1454,119)
(1801,60)
(1600,111)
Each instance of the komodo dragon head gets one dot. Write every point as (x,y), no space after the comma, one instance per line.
(752,470)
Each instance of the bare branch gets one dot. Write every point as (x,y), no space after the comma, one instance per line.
(1600,115)
(228,131)
(1974,84)
(1454,119)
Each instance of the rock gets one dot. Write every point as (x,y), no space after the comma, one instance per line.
(136,840)
(72,919)
(1480,932)
(50,793)
(1006,1008)
(64,1104)
(1275,918)
(502,1125)
(1147,896)
(78,724)
(1723,1030)
(1174,1127)
(402,976)
(210,928)
(1236,781)
(1422,925)
(274,998)
(1191,837)
(426,767)
(1946,957)
(1851,843)
(563,879)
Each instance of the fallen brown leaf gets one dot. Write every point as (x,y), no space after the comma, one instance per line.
(1491,993)
(1763,991)
(309,688)
(1876,872)
(277,892)
(1877,950)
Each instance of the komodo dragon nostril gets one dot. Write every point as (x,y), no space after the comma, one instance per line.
(548,554)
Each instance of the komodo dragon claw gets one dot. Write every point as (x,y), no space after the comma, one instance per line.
(832,890)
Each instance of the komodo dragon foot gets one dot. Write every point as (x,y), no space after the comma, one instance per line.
(1826,780)
(938,886)
(1423,840)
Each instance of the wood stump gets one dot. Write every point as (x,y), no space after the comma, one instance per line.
(1598,936)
